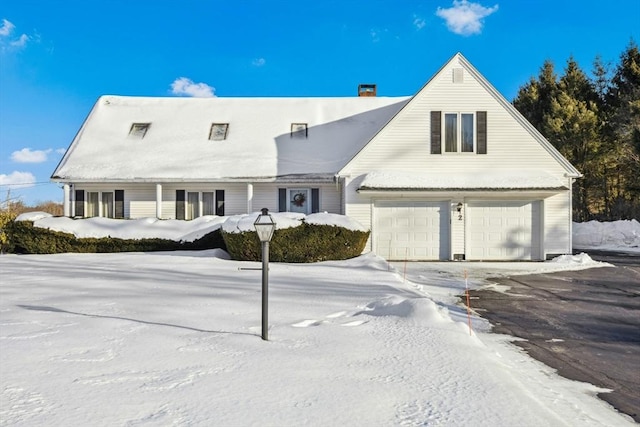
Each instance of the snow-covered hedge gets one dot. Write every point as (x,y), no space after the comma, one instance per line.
(298,238)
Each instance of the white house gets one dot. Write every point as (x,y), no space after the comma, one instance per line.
(453,172)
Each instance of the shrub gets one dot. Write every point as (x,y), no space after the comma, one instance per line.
(25,238)
(305,243)
(6,220)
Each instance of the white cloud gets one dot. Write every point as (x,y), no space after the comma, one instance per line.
(61,150)
(259,62)
(20,42)
(27,155)
(17,180)
(6,29)
(418,22)
(8,41)
(186,87)
(465,18)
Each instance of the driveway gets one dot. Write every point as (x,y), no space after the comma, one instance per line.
(585,324)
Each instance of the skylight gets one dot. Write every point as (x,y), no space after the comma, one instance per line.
(299,130)
(218,131)
(139,130)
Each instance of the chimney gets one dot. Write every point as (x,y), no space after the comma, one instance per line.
(367,90)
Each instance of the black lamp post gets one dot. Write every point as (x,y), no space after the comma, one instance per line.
(265,226)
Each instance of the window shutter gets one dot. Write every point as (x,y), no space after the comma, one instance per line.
(180,199)
(79,203)
(436,132)
(220,202)
(315,200)
(282,199)
(481,132)
(119,204)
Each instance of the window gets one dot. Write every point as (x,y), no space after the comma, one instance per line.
(139,130)
(459,133)
(302,200)
(299,130)
(194,204)
(107,205)
(218,131)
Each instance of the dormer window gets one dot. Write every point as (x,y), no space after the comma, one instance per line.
(218,131)
(139,130)
(299,130)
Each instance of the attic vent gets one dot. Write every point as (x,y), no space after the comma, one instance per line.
(367,90)
(218,131)
(299,130)
(139,130)
(458,75)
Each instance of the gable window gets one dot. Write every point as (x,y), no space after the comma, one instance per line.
(299,130)
(459,132)
(139,130)
(218,131)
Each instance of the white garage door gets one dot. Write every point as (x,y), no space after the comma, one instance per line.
(414,231)
(502,230)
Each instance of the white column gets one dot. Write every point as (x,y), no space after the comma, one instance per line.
(249,198)
(67,200)
(159,201)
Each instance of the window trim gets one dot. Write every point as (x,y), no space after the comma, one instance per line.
(212,134)
(459,132)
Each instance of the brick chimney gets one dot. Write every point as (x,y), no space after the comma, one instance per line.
(367,90)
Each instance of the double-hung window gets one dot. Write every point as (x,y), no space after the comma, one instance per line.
(459,133)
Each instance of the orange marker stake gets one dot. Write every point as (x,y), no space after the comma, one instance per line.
(466,285)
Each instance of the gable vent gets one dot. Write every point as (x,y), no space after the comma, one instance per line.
(458,75)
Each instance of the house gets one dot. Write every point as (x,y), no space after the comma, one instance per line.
(451,173)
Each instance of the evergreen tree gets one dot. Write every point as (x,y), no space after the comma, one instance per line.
(623,104)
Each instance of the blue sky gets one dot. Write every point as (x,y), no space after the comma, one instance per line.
(58,57)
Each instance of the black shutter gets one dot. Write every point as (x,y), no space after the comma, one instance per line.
(481,132)
(79,203)
(119,204)
(180,198)
(315,200)
(282,199)
(220,202)
(436,132)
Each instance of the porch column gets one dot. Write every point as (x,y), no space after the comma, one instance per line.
(249,198)
(159,201)
(66,202)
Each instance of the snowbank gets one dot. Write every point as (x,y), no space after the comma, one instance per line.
(242,223)
(616,235)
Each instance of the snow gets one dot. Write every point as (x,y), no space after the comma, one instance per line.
(173,338)
(259,137)
(617,235)
(504,179)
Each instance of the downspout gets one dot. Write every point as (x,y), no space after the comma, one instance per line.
(571,215)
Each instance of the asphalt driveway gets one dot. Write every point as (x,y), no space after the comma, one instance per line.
(585,324)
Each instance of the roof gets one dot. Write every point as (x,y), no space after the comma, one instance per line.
(259,145)
(503,180)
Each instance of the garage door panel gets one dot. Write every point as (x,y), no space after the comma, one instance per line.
(500,230)
(418,230)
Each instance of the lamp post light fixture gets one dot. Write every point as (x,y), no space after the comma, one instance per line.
(265,226)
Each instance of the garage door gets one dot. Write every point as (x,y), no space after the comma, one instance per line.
(502,230)
(414,231)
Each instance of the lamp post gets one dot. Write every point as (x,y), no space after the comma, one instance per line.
(265,227)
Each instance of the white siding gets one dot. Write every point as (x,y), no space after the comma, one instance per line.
(557,224)
(266,196)
(404,144)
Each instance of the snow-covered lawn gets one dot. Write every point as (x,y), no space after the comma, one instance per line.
(173,338)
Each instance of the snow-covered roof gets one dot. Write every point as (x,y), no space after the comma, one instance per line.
(505,180)
(259,145)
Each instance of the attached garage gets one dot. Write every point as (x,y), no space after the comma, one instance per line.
(503,230)
(411,230)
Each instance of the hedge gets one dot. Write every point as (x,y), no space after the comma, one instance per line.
(305,243)
(25,238)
